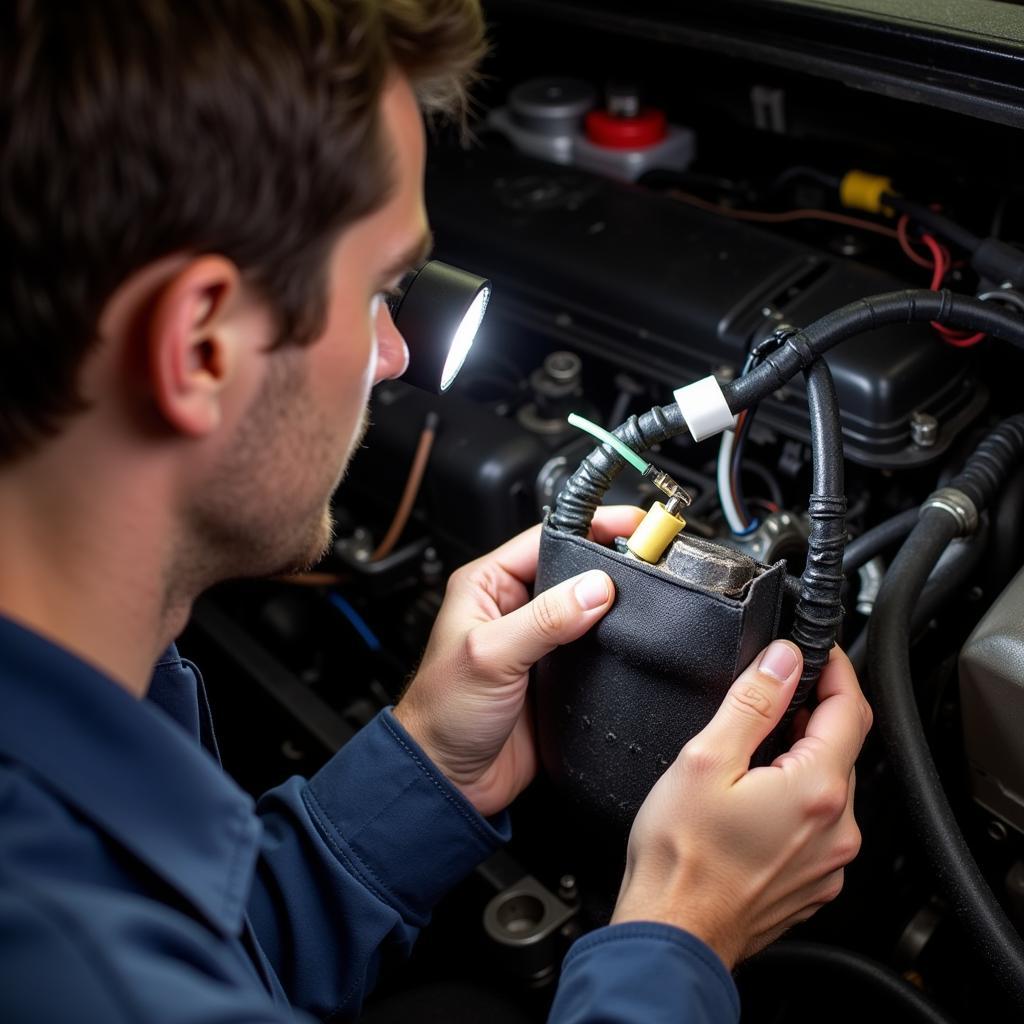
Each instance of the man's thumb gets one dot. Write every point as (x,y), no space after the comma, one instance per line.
(564,613)
(753,706)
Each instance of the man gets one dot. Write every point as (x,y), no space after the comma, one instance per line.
(201,205)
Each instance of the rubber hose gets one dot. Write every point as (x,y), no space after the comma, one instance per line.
(869,976)
(952,570)
(874,541)
(819,608)
(931,816)
(802,347)
(992,462)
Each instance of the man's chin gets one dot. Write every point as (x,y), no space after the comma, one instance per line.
(313,552)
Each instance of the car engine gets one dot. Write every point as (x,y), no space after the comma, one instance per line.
(668,194)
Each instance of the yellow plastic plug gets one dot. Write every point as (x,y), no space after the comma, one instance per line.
(859,190)
(654,534)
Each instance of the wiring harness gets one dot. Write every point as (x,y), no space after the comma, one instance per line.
(819,609)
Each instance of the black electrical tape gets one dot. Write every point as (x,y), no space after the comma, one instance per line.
(819,608)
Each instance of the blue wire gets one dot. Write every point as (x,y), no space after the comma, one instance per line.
(754,524)
(356,620)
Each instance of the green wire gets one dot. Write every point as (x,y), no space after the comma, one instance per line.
(610,439)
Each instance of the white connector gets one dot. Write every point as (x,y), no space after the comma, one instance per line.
(704,408)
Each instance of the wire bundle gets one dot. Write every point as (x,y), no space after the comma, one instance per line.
(730,450)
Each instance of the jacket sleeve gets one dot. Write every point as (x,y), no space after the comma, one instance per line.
(644,973)
(353,862)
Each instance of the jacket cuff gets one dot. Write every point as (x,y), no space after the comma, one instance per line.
(644,972)
(398,823)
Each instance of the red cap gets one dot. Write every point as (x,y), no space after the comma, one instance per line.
(646,129)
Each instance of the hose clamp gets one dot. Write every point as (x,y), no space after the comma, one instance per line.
(957,504)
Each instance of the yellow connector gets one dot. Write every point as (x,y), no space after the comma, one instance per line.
(859,190)
(654,534)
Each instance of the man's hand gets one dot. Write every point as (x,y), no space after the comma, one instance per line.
(737,855)
(466,705)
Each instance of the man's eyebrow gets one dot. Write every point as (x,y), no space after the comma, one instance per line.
(411,258)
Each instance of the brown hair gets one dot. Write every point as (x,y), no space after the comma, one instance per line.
(132,129)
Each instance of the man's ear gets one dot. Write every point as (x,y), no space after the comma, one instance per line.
(192,349)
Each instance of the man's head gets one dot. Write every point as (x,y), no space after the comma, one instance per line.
(199,202)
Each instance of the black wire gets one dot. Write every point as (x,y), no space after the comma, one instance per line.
(766,477)
(936,222)
(829,181)
(754,358)
(576,503)
(821,594)
(911,305)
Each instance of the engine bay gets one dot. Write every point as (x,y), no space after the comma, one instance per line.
(801,158)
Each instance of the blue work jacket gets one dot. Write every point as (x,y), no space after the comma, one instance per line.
(138,883)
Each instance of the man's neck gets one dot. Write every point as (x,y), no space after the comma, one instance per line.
(80,566)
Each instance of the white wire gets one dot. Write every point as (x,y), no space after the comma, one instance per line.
(732,513)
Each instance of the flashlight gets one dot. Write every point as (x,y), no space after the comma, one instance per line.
(438,310)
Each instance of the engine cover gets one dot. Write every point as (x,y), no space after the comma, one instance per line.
(672,292)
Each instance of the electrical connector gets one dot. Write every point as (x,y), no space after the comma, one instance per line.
(859,190)
(678,498)
(656,531)
(663,522)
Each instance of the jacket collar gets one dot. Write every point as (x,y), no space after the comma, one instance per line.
(131,769)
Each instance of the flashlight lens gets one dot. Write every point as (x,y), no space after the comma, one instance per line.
(462,341)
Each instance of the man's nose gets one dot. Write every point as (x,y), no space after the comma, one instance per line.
(392,352)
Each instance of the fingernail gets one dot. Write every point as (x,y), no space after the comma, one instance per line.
(592,590)
(778,661)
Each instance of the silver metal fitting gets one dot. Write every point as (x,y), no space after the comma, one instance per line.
(871,574)
(958,505)
(924,429)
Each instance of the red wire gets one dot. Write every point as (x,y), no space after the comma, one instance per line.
(734,482)
(939,269)
(901,237)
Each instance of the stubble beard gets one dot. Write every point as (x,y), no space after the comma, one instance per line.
(320,532)
(247,528)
